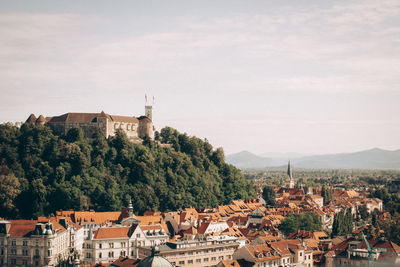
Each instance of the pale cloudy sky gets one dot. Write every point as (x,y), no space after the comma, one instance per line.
(264,76)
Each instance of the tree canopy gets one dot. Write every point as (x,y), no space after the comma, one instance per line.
(269,196)
(306,221)
(47,172)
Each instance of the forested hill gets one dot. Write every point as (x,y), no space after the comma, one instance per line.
(41,173)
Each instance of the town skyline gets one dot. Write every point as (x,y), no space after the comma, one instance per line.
(309,77)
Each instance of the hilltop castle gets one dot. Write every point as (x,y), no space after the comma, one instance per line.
(136,128)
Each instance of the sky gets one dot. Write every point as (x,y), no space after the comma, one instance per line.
(312,77)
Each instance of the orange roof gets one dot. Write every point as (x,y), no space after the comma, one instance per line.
(96,217)
(22,227)
(26,227)
(111,232)
(229,263)
(90,216)
(262,252)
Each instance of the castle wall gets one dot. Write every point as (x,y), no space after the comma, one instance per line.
(130,129)
(135,129)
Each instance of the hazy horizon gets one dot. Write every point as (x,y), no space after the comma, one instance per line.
(315,77)
(300,154)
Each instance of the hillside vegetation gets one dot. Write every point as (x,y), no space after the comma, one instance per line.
(41,172)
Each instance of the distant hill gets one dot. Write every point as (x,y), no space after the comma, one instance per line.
(368,159)
(246,159)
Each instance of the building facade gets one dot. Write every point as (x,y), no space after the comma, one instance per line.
(37,243)
(136,128)
(199,252)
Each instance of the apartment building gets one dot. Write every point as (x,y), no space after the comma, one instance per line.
(202,252)
(37,242)
(109,243)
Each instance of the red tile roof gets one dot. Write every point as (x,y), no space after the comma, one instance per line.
(111,232)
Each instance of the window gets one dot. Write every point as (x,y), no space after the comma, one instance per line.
(49,253)
(198,260)
(37,243)
(13,243)
(123,244)
(137,235)
(13,261)
(309,257)
(100,246)
(24,243)
(2,251)
(221,257)
(111,245)
(301,254)
(87,245)
(49,244)
(213,258)
(190,261)
(181,262)
(111,254)
(13,252)
(24,262)
(122,253)
(205,260)
(100,255)
(36,252)
(88,256)
(25,252)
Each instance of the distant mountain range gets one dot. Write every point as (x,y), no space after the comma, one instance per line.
(375,158)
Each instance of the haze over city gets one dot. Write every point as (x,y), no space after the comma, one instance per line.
(264,76)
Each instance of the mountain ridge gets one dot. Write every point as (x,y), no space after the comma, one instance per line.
(374,158)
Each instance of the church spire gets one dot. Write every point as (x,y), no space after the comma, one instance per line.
(289,173)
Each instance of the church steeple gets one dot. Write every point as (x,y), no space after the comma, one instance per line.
(289,173)
(130,208)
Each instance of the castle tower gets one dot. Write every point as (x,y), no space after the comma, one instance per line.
(148,112)
(289,173)
(148,109)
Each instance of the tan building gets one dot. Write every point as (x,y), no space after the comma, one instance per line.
(109,243)
(278,253)
(37,243)
(199,252)
(136,128)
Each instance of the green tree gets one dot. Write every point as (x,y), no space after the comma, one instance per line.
(75,134)
(9,190)
(307,221)
(269,195)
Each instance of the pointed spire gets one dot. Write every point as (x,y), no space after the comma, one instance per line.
(130,207)
(289,173)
